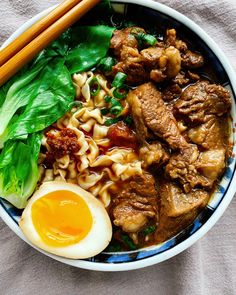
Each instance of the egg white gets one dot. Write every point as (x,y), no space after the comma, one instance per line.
(92,244)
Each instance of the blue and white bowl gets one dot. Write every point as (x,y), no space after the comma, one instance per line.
(155,14)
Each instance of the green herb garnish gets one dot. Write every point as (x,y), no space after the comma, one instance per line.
(145,39)
(119,79)
(111,121)
(128,120)
(116,110)
(106,64)
(107,99)
(113,248)
(94,87)
(105,111)
(149,230)
(121,92)
(128,242)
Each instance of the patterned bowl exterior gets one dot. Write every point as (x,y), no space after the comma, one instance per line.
(154,19)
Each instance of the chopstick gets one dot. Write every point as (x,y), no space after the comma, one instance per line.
(21,41)
(28,52)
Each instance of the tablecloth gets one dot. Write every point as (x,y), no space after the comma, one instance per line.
(208,267)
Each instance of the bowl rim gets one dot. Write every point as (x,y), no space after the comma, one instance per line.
(227,197)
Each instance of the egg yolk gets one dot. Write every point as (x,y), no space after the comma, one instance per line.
(61,218)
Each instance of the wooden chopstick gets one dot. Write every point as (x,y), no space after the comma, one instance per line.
(14,64)
(21,41)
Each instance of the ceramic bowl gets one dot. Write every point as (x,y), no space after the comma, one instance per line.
(153,13)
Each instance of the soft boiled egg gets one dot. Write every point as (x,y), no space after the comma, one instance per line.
(63,219)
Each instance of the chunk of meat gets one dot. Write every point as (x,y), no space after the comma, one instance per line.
(135,203)
(157,63)
(162,63)
(121,135)
(136,110)
(176,202)
(171,40)
(62,142)
(149,110)
(182,167)
(178,209)
(211,163)
(194,169)
(192,60)
(157,76)
(174,61)
(203,99)
(185,77)
(154,57)
(209,135)
(152,154)
(171,92)
(123,37)
(130,63)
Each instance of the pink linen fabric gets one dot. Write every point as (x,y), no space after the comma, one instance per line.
(208,267)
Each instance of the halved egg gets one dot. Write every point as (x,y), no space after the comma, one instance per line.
(64,219)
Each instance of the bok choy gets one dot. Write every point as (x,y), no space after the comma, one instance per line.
(36,97)
(19,170)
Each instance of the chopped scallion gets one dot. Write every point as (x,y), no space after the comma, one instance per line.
(114,102)
(128,120)
(149,230)
(127,240)
(111,121)
(105,111)
(107,98)
(119,79)
(94,87)
(121,92)
(76,103)
(113,248)
(146,38)
(116,110)
(106,64)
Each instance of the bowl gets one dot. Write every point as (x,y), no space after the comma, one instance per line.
(153,12)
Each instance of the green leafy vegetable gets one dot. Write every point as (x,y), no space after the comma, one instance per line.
(36,97)
(18,95)
(19,170)
(89,45)
(49,98)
